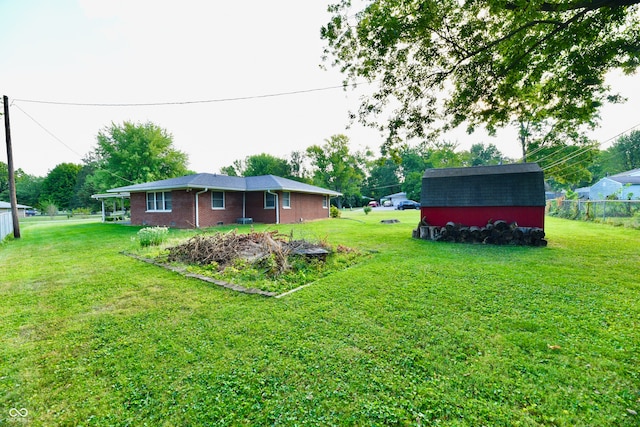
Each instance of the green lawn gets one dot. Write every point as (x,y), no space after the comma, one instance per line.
(418,333)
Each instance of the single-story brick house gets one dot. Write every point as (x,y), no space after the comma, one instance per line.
(475,195)
(205,200)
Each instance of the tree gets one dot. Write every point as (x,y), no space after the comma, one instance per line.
(135,153)
(442,63)
(4,181)
(383,179)
(298,170)
(59,185)
(566,163)
(626,151)
(483,155)
(336,168)
(415,160)
(28,188)
(266,164)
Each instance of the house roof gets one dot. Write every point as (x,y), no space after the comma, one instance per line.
(210,181)
(7,205)
(401,194)
(629,177)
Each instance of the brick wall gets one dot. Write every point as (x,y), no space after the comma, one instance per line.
(303,207)
(182,215)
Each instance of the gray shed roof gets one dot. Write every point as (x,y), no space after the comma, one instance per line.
(210,181)
(518,184)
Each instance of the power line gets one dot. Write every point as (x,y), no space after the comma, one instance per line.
(203,101)
(63,143)
(585,149)
(46,130)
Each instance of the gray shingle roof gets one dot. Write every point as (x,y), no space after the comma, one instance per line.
(7,205)
(629,177)
(226,183)
(519,184)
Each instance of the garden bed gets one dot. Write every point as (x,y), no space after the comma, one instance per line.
(265,263)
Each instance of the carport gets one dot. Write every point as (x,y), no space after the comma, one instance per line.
(116,214)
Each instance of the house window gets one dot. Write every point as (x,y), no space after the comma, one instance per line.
(286,199)
(269,201)
(159,201)
(217,199)
(325,202)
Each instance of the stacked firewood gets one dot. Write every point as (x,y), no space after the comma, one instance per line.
(495,232)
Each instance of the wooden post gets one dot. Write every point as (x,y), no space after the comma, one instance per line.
(12,178)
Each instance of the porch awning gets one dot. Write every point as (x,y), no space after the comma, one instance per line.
(111,195)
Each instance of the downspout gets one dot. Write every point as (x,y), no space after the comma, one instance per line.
(197,207)
(277,206)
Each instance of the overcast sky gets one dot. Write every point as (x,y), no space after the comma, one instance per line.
(129,51)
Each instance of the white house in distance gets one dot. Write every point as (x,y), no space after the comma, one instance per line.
(6,207)
(394,198)
(623,186)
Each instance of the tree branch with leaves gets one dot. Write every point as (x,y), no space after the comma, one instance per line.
(441,64)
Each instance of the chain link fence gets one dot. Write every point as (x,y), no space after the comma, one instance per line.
(620,212)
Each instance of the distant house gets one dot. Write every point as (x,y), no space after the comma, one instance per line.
(475,195)
(623,186)
(22,209)
(204,200)
(394,198)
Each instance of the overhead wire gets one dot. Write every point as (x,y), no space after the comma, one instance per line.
(188,102)
(63,143)
(585,149)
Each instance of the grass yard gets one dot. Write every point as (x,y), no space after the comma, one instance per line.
(418,333)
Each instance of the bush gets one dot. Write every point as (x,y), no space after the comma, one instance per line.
(334,212)
(81,212)
(367,209)
(152,236)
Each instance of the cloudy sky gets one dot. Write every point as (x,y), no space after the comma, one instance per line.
(230,52)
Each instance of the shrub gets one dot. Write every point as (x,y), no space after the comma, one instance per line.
(367,209)
(152,236)
(334,212)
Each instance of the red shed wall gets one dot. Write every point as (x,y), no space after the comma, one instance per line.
(524,216)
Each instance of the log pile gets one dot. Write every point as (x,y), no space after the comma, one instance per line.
(495,232)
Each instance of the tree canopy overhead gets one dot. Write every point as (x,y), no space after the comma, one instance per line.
(439,64)
(135,153)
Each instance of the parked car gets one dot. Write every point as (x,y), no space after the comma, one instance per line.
(31,212)
(373,204)
(387,203)
(407,204)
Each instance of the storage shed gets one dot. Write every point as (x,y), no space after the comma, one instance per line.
(476,195)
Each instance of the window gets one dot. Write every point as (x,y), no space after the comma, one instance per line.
(159,201)
(269,200)
(286,199)
(217,199)
(325,202)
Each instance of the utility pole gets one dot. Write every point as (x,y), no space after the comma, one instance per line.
(12,178)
